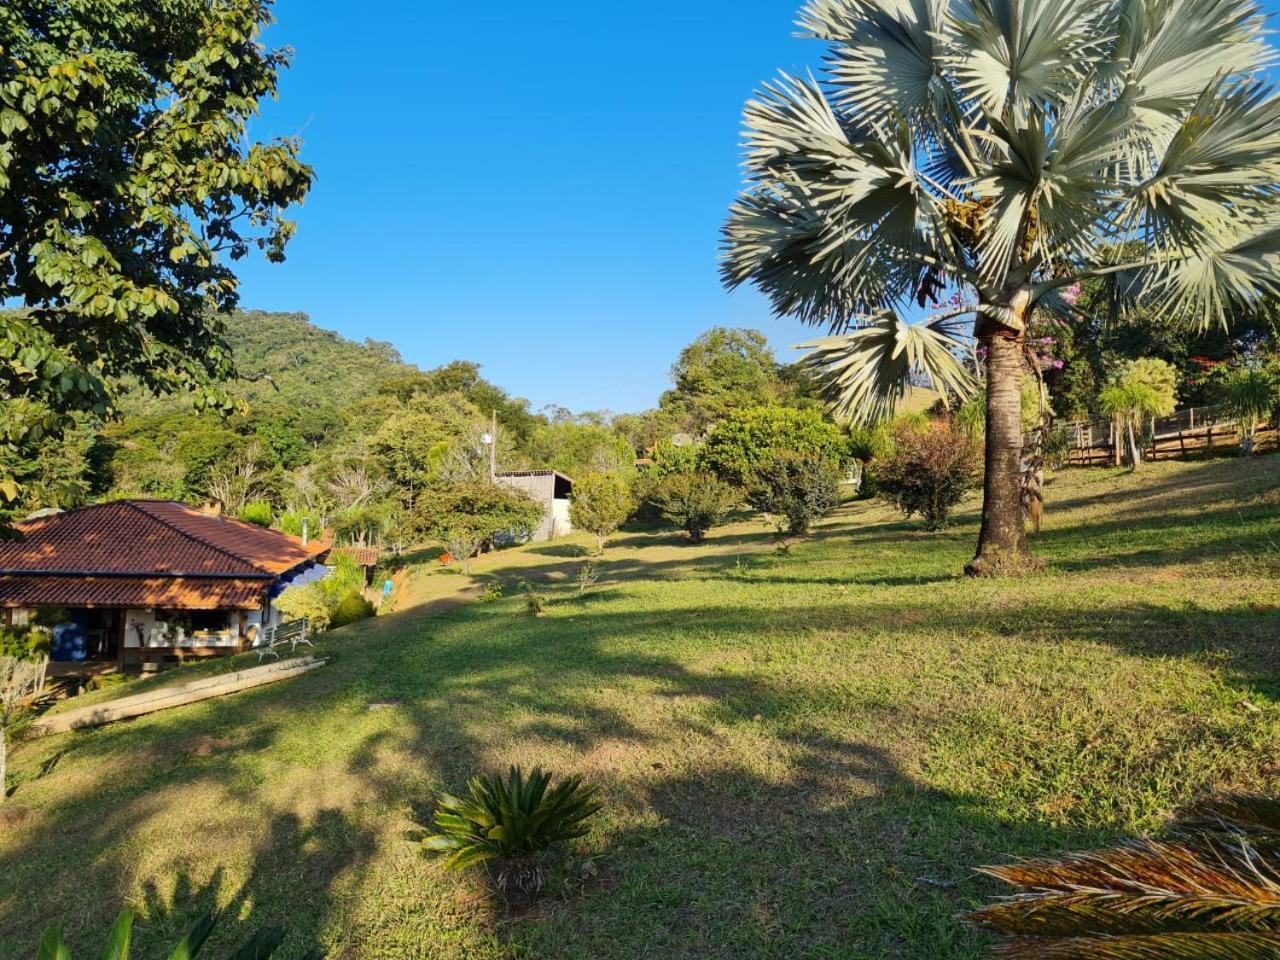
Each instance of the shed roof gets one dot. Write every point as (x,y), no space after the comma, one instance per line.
(533,473)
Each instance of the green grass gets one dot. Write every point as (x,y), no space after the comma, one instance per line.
(801,755)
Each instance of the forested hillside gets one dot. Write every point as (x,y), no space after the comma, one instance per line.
(349,436)
(284,358)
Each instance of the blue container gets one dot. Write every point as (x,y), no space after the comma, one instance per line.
(68,644)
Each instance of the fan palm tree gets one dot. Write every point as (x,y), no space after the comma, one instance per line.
(1005,150)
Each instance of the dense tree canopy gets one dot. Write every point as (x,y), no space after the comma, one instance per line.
(127,187)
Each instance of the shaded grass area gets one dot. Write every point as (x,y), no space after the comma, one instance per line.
(801,754)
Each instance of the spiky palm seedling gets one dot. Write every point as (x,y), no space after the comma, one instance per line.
(1249,395)
(1211,891)
(261,946)
(512,822)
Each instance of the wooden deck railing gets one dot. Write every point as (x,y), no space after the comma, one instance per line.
(1190,431)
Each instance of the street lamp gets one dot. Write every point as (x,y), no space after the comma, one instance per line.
(490,440)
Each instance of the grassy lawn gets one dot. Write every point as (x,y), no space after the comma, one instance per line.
(802,755)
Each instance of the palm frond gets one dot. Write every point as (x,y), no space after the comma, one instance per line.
(864,375)
(838,221)
(1203,285)
(886,58)
(1210,891)
(1184,946)
(1019,54)
(1219,169)
(1171,50)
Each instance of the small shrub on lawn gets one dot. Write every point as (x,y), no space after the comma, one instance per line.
(694,502)
(931,469)
(24,643)
(351,606)
(261,946)
(586,577)
(535,603)
(491,593)
(512,822)
(796,490)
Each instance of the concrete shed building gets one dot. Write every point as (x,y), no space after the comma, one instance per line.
(550,488)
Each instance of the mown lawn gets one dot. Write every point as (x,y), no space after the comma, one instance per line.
(802,755)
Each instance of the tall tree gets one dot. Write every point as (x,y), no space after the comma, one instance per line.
(1005,150)
(127,186)
(722,371)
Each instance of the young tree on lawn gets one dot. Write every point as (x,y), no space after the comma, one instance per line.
(796,489)
(1005,150)
(1139,390)
(932,466)
(749,439)
(600,504)
(127,184)
(465,516)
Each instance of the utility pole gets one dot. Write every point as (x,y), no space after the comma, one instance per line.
(490,440)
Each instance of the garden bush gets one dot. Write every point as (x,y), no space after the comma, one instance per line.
(24,643)
(466,515)
(743,444)
(307,602)
(796,490)
(931,469)
(257,512)
(694,502)
(351,606)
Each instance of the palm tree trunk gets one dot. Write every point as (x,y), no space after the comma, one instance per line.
(1002,544)
(3,757)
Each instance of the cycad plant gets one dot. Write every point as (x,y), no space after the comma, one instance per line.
(997,152)
(512,822)
(1211,891)
(261,946)
(1249,396)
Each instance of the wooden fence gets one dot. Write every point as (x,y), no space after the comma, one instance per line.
(1195,430)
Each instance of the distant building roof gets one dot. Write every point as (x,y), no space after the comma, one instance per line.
(363,556)
(145,553)
(533,473)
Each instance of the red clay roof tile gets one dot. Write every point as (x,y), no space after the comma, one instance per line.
(145,553)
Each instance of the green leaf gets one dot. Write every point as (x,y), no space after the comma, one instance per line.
(119,937)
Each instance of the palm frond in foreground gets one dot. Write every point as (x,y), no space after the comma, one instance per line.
(1210,891)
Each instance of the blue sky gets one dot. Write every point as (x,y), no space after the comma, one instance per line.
(536,187)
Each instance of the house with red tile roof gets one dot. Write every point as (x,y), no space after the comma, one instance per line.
(144,580)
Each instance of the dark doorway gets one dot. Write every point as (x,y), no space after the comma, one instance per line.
(103,630)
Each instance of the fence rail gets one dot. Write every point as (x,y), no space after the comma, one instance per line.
(1189,431)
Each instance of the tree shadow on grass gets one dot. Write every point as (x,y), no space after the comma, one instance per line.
(143,828)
